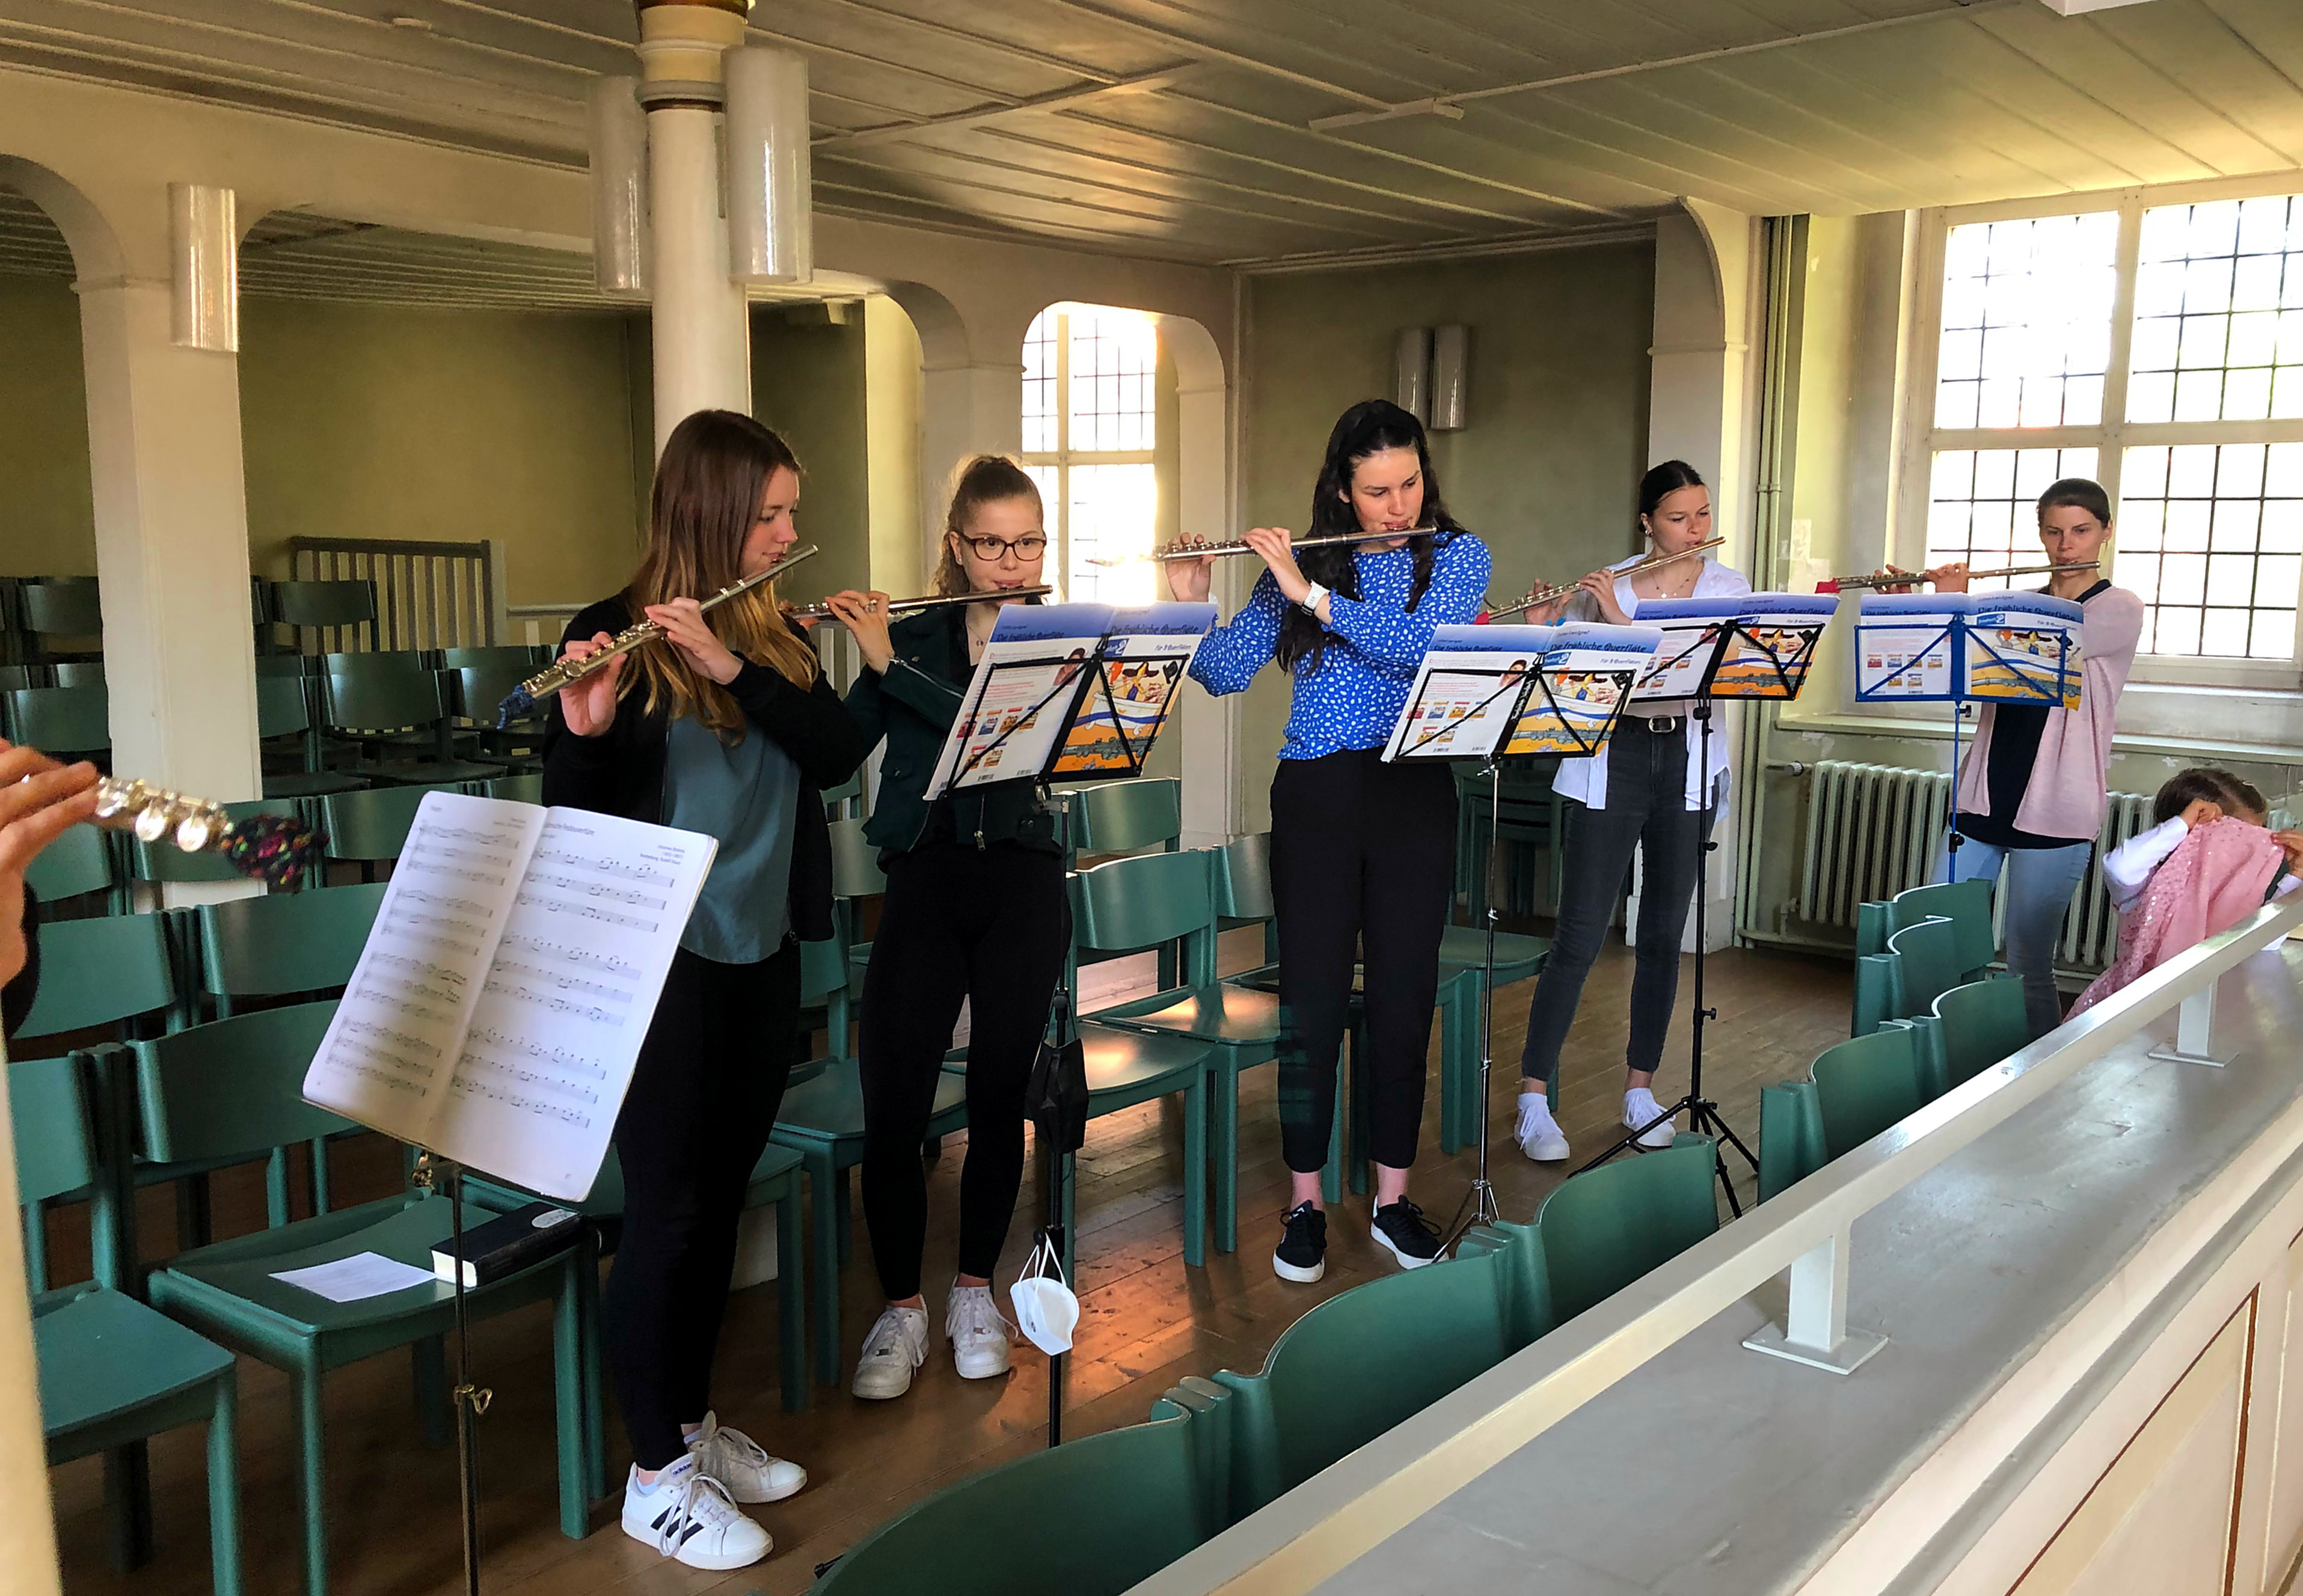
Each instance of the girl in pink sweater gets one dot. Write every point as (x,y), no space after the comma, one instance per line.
(2030,791)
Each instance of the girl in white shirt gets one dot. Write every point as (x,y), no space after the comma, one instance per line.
(1645,793)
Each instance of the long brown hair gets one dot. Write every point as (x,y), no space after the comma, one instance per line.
(986,479)
(715,466)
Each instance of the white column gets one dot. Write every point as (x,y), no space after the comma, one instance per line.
(700,324)
(1208,726)
(966,408)
(171,545)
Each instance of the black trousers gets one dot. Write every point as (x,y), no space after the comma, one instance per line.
(988,925)
(1363,867)
(704,1097)
(1646,812)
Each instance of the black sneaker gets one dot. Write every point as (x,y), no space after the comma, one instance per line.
(1406,1234)
(1302,1255)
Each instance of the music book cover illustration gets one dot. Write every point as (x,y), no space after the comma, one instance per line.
(2024,648)
(497,1011)
(1583,680)
(1907,646)
(1482,691)
(1144,654)
(1772,644)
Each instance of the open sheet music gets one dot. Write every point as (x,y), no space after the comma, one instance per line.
(498,1008)
(1494,692)
(2018,648)
(1069,691)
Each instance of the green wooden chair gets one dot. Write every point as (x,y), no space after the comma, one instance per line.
(1523,1277)
(1855,1091)
(476,681)
(526,787)
(283,710)
(112,1371)
(1135,905)
(78,673)
(1124,817)
(1878,993)
(322,605)
(235,1089)
(84,860)
(1357,1365)
(1094,1516)
(1983,1022)
(1605,1228)
(62,608)
(1929,954)
(391,702)
(303,945)
(775,1183)
(856,874)
(370,828)
(69,722)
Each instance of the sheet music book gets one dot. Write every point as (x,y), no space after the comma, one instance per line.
(1518,690)
(2024,648)
(1070,690)
(2006,648)
(1694,632)
(1909,647)
(498,1008)
(1772,645)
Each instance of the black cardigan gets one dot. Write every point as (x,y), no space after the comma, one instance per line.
(621,771)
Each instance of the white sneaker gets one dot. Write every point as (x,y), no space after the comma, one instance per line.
(742,1464)
(1641,1108)
(1538,1133)
(980,1334)
(897,1344)
(686,1516)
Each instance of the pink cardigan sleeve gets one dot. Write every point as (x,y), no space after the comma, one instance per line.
(2066,795)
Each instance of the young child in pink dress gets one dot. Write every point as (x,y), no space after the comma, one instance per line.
(2208,864)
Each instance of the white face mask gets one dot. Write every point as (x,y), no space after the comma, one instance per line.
(1046,1311)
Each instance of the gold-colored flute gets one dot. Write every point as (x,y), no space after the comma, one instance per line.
(1241,546)
(522,700)
(1913,578)
(820,611)
(1653,562)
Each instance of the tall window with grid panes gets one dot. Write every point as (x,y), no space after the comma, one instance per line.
(1089,417)
(2155,344)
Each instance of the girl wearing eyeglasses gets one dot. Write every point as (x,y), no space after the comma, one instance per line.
(974,910)
(1363,852)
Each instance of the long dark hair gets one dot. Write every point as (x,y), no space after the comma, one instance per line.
(716,465)
(1367,427)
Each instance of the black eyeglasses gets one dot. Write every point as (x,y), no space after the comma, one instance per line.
(991,549)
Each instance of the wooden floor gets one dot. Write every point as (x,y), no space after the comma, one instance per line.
(1147,1321)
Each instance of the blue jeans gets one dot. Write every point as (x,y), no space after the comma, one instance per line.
(2038,888)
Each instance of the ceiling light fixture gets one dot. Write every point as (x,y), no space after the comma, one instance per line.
(2073,8)
(413,24)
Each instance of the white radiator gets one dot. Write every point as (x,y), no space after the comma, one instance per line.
(1873,830)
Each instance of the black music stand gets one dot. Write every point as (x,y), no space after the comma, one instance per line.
(1527,688)
(1780,674)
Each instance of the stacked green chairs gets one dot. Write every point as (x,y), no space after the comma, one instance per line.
(391,702)
(1094,1516)
(1982,1023)
(526,787)
(1124,817)
(775,1184)
(1136,906)
(822,1121)
(61,608)
(323,606)
(112,1371)
(69,722)
(283,710)
(1966,948)
(1855,1089)
(77,673)
(80,864)
(476,681)
(234,1088)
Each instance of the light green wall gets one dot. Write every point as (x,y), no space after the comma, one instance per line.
(47,525)
(893,399)
(808,383)
(365,421)
(1547,470)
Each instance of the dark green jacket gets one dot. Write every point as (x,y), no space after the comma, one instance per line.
(913,707)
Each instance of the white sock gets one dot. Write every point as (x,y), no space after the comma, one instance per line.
(1537,1100)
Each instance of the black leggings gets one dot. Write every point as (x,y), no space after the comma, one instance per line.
(1362,863)
(984,924)
(703,1097)
(1646,812)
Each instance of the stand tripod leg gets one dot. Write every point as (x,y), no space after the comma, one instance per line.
(1478,1205)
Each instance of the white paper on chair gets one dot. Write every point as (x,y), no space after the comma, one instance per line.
(356,1279)
(497,1011)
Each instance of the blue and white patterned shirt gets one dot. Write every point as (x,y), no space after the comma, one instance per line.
(1354,699)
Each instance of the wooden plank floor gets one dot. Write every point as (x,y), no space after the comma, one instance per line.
(1147,1321)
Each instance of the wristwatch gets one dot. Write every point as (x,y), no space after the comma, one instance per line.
(1310,603)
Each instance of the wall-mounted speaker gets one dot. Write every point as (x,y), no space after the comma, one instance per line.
(1414,394)
(1451,348)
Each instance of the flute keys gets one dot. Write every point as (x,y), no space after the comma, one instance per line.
(115,796)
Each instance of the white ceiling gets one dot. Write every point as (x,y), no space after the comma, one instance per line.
(1184,129)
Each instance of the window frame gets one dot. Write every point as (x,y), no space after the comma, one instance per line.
(1063,456)
(2113,436)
